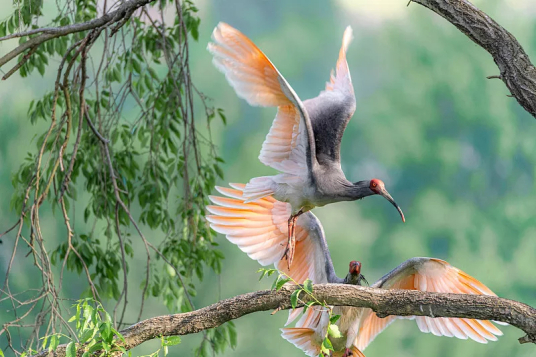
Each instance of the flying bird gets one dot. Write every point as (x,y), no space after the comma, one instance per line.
(304,141)
(258,228)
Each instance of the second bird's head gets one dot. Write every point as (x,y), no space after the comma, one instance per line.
(377,187)
(354,272)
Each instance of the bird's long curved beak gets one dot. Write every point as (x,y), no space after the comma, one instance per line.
(388,197)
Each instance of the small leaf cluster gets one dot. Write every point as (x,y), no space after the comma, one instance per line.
(332,330)
(94,332)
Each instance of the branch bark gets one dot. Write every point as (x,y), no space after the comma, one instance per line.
(516,69)
(383,302)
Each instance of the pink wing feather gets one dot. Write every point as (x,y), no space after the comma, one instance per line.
(255,78)
(435,275)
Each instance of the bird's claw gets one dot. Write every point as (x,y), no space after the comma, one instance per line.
(288,254)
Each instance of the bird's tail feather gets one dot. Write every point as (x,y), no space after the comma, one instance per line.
(258,228)
(355,353)
(304,339)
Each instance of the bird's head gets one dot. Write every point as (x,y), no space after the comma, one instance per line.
(354,274)
(355,267)
(377,187)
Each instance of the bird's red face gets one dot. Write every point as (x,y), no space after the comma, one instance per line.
(378,187)
(355,267)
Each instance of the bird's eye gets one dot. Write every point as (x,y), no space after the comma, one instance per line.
(374,184)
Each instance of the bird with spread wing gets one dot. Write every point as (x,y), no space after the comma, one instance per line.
(259,228)
(304,141)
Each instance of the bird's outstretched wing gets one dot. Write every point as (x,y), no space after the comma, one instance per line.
(260,229)
(434,275)
(331,111)
(256,79)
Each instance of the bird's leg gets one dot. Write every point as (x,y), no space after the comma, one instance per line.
(289,252)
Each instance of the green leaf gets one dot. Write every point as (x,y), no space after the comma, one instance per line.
(222,116)
(280,281)
(333,330)
(45,341)
(70,351)
(153,73)
(118,334)
(1,353)
(172,340)
(308,286)
(232,334)
(54,342)
(136,65)
(294,298)
(327,344)
(266,272)
(334,319)
(86,336)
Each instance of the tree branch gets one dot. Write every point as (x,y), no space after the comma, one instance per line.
(517,72)
(123,12)
(384,302)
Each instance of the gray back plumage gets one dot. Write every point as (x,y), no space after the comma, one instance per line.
(330,113)
(316,232)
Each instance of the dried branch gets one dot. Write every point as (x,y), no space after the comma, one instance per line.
(45,34)
(384,302)
(111,170)
(517,71)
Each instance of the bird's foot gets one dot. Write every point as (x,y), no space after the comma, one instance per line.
(348,353)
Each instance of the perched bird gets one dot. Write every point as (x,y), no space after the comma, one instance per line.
(258,229)
(359,326)
(305,138)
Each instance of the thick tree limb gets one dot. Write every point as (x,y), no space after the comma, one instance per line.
(384,302)
(123,12)
(517,72)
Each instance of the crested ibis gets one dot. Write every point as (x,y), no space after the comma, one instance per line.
(258,228)
(304,141)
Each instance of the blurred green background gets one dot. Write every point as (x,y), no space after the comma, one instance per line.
(455,152)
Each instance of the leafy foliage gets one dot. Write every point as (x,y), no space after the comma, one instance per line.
(122,133)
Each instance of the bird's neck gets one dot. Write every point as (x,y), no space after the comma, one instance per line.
(355,191)
(352,279)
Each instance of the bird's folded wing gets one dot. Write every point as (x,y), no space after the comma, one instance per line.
(433,275)
(256,79)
